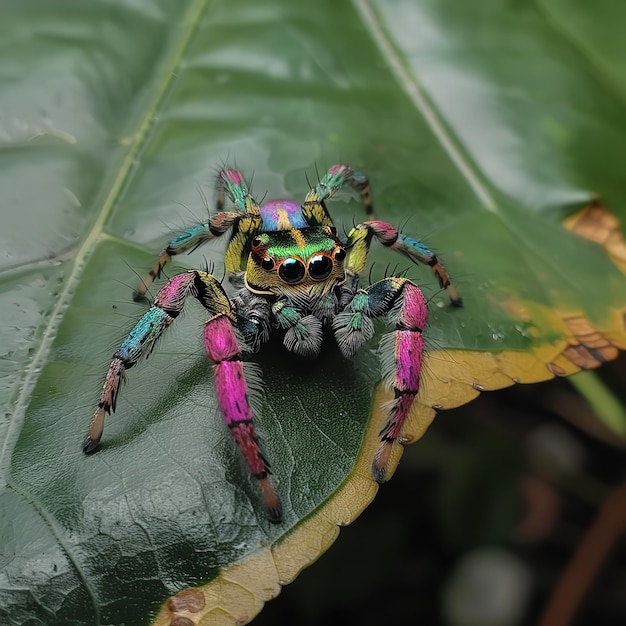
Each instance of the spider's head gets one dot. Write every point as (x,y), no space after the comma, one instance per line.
(307,259)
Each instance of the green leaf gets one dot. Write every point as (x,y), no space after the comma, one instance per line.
(481,125)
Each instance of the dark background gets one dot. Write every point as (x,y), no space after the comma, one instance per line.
(482,521)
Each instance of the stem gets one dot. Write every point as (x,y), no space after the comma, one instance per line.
(587,561)
(602,400)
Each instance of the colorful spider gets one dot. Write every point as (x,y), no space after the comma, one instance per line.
(290,273)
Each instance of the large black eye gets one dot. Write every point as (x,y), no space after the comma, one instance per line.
(320,267)
(340,254)
(291,270)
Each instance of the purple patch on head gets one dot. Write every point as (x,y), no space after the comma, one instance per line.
(282,215)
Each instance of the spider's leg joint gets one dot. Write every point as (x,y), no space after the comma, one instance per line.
(359,240)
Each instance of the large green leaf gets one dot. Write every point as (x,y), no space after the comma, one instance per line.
(482,125)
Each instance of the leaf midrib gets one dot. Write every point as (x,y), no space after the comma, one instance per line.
(467,167)
(420,100)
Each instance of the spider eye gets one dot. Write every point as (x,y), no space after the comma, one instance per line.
(267,263)
(320,267)
(340,254)
(256,242)
(291,270)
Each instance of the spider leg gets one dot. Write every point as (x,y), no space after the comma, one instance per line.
(400,351)
(304,334)
(140,342)
(359,241)
(244,220)
(222,349)
(186,241)
(232,393)
(314,209)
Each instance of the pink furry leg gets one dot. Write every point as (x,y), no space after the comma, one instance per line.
(401,353)
(232,395)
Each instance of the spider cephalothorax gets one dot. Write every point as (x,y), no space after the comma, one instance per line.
(290,273)
(305,260)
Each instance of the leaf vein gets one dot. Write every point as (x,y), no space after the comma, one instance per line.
(420,100)
(137,143)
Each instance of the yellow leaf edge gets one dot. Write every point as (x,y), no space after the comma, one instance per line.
(240,590)
(450,378)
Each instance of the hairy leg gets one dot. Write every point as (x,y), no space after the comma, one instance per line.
(222,349)
(400,351)
(359,241)
(241,222)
